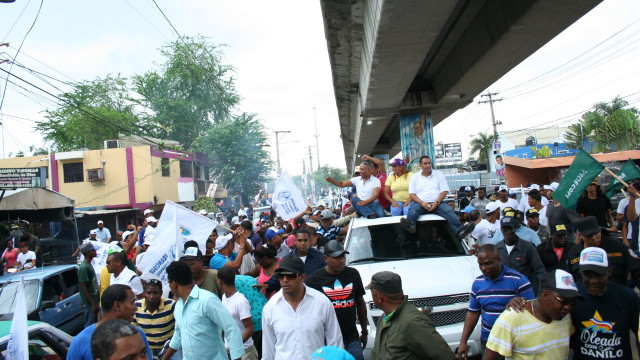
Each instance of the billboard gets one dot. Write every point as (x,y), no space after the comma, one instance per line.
(16,178)
(448,154)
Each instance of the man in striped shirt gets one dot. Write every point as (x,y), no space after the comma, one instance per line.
(155,316)
(490,294)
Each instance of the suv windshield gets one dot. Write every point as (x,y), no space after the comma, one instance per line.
(8,295)
(390,242)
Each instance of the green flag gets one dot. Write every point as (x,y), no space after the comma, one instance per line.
(582,171)
(628,171)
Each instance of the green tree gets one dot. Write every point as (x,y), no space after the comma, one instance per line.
(191,90)
(319,177)
(205,203)
(540,153)
(68,127)
(575,136)
(238,149)
(482,144)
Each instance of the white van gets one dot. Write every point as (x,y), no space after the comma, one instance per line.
(436,271)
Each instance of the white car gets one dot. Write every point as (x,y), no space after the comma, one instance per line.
(436,270)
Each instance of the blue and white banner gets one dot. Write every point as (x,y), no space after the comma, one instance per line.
(18,344)
(287,199)
(176,226)
(416,138)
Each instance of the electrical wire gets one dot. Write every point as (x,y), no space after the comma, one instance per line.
(17,19)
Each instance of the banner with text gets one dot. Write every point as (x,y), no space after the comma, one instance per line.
(581,172)
(16,178)
(287,199)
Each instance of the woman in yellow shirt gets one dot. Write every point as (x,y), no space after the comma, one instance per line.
(398,185)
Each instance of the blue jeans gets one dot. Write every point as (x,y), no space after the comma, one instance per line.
(366,210)
(355,349)
(90,316)
(444,210)
(401,210)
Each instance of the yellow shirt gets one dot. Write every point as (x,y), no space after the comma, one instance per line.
(399,186)
(520,336)
(105,281)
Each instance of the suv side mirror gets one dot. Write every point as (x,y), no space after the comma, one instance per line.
(47,304)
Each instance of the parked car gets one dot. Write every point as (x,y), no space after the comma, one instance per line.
(52,295)
(436,270)
(45,341)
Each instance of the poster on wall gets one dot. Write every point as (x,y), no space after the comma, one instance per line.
(416,137)
(498,162)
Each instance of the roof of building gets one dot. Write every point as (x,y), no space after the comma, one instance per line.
(565,161)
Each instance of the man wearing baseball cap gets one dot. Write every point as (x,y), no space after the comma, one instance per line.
(343,286)
(88,285)
(534,217)
(504,200)
(297,319)
(468,196)
(102,233)
(622,260)
(519,255)
(608,313)
(327,229)
(554,253)
(543,329)
(487,228)
(403,332)
(523,232)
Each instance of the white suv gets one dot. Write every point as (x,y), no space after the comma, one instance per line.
(436,270)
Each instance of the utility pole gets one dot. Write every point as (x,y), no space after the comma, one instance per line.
(315,122)
(313,183)
(493,118)
(278,150)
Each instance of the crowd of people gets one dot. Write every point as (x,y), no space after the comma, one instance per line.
(554,281)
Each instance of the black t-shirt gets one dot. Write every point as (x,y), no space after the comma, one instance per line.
(342,290)
(602,323)
(597,207)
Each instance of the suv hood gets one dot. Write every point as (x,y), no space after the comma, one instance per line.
(426,277)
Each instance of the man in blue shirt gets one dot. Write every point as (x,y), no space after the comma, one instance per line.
(118,302)
(523,232)
(312,258)
(225,256)
(490,294)
(200,320)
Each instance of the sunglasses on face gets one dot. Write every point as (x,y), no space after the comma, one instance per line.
(287,276)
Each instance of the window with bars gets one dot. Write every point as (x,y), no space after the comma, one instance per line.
(186,168)
(165,166)
(73,172)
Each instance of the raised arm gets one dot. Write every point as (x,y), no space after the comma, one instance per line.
(338,183)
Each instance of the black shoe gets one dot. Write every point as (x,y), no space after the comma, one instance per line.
(372,216)
(406,225)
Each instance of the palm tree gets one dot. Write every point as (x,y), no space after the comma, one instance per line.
(482,144)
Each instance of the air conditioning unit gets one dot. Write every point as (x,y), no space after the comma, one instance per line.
(111,144)
(95,175)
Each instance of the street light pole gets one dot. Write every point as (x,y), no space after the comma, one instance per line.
(315,122)
(278,150)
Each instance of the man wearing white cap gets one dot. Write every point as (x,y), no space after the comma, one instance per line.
(543,329)
(485,230)
(102,233)
(504,200)
(607,314)
(468,196)
(225,256)
(150,230)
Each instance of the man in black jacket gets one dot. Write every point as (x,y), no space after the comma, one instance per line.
(555,253)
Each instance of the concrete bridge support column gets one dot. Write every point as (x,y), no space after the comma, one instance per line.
(416,138)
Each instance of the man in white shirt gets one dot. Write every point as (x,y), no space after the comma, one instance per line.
(524,202)
(485,230)
(367,190)
(504,200)
(150,230)
(298,319)
(102,233)
(121,274)
(427,190)
(26,258)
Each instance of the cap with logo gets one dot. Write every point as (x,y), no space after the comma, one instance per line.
(503,188)
(334,249)
(192,253)
(467,209)
(508,221)
(559,229)
(147,212)
(271,233)
(467,188)
(532,212)
(222,241)
(594,259)
(561,282)
(588,225)
(397,162)
(327,214)
(291,265)
(386,282)
(491,207)
(93,232)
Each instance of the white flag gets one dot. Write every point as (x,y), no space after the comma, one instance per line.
(18,344)
(287,200)
(176,226)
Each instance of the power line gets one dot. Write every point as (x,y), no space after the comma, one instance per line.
(17,19)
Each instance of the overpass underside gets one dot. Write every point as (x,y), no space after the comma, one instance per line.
(392,58)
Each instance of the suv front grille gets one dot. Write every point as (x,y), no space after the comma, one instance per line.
(434,301)
(442,318)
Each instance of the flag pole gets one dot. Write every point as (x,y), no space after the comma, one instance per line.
(625,194)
